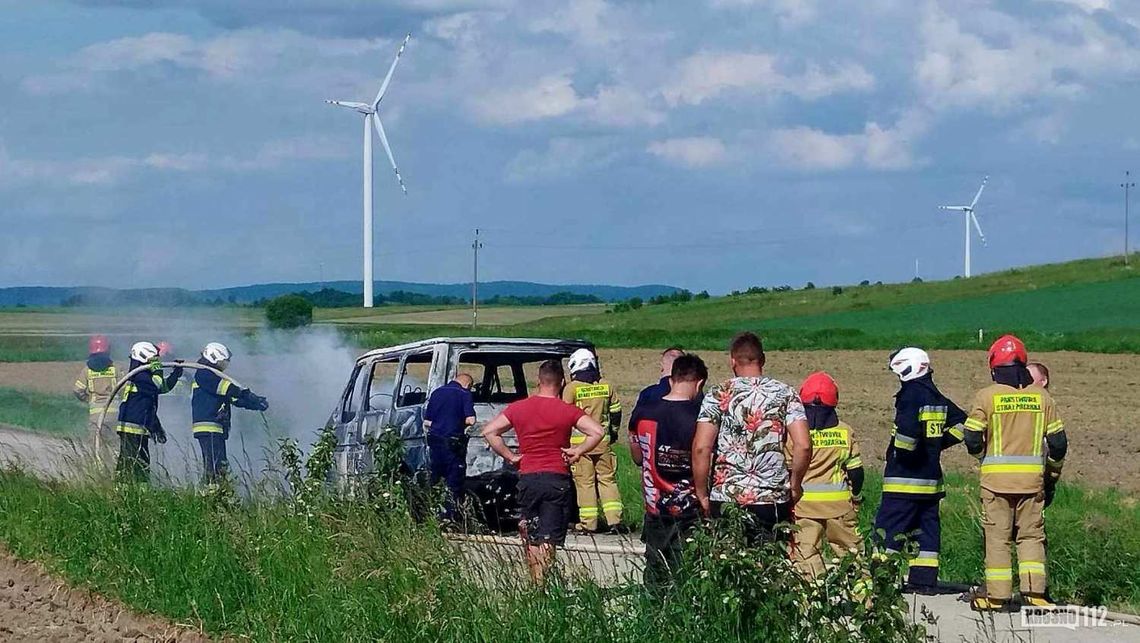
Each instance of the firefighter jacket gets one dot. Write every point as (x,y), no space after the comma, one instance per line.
(1018,436)
(95,384)
(926,423)
(598,400)
(828,490)
(138,412)
(212,400)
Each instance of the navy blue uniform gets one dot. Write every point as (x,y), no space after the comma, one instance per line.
(649,394)
(926,423)
(448,409)
(210,410)
(138,418)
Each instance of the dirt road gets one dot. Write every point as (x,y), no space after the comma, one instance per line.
(36,607)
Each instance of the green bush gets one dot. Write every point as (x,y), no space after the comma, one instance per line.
(289,311)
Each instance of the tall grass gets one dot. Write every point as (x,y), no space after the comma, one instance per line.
(47,412)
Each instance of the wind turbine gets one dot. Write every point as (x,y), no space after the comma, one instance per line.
(372,117)
(968,211)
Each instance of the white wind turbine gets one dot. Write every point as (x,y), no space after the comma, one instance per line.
(372,117)
(968,211)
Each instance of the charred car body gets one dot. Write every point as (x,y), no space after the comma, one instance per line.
(389,389)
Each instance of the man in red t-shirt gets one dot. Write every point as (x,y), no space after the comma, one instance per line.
(543,423)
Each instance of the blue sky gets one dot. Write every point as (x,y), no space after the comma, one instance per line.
(711,144)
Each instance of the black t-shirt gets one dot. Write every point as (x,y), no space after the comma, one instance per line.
(664,429)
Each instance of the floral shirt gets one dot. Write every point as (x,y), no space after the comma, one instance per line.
(752,414)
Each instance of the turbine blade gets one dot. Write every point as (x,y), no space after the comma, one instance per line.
(391,70)
(345,103)
(388,149)
(979,194)
(978,227)
(955,208)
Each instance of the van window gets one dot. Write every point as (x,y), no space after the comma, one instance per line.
(414,380)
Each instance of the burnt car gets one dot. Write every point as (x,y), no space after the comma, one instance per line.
(389,389)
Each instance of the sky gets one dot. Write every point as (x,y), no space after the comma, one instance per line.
(708,144)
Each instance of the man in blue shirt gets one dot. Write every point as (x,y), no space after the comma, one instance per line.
(655,392)
(450,410)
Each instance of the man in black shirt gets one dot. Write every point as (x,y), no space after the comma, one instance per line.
(661,442)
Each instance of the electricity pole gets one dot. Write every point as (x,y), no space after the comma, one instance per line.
(475,282)
(1127,185)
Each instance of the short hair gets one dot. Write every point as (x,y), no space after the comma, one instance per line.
(1041,367)
(673,349)
(465,377)
(689,368)
(747,348)
(551,372)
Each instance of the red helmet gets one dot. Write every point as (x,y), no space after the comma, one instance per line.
(819,387)
(98,344)
(165,348)
(1007,350)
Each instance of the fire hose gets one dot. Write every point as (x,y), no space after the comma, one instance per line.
(127,378)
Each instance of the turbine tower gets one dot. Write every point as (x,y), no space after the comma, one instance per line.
(968,211)
(372,117)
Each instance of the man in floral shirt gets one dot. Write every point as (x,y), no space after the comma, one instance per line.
(747,421)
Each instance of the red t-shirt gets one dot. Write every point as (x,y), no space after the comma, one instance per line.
(543,426)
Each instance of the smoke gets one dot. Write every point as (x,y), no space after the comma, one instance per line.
(302,374)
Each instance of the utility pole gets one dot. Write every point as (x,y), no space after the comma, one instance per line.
(1127,185)
(475,282)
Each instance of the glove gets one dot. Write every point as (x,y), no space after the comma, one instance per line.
(1050,490)
(613,434)
(260,403)
(159,434)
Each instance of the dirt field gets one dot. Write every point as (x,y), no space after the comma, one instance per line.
(1105,442)
(36,607)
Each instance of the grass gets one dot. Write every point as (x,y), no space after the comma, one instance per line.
(49,413)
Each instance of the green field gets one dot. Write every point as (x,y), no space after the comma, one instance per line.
(45,412)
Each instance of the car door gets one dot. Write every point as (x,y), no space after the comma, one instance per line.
(409,397)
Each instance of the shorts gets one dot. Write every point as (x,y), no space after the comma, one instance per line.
(544,502)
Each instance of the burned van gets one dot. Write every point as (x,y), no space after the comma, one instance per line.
(388,393)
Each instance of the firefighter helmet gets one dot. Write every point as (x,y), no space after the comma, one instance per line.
(216,353)
(819,388)
(1007,350)
(582,359)
(144,352)
(909,363)
(98,344)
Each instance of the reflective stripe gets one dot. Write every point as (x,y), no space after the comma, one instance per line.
(1054,427)
(614,505)
(96,410)
(905,442)
(911,485)
(132,428)
(223,386)
(208,427)
(922,560)
(591,391)
(999,573)
(587,512)
(1030,567)
(854,463)
(1038,432)
(1013,464)
(577,438)
(957,432)
(825,496)
(975,425)
(615,407)
(996,439)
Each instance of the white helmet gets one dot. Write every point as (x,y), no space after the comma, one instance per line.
(144,352)
(582,359)
(910,363)
(216,353)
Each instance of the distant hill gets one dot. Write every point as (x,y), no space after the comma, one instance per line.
(55,296)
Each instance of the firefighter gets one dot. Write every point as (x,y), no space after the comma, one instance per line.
(138,412)
(595,474)
(210,407)
(833,485)
(926,423)
(94,386)
(1014,429)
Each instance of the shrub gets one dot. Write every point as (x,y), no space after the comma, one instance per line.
(916,280)
(809,286)
(635,303)
(289,311)
(864,283)
(837,290)
(704,294)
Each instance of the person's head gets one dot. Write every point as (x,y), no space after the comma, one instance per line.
(909,363)
(668,356)
(1008,350)
(551,377)
(746,354)
(582,361)
(1040,374)
(217,355)
(687,377)
(144,352)
(819,389)
(98,344)
(464,380)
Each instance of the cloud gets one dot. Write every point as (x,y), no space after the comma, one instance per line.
(562,157)
(697,151)
(584,21)
(790,12)
(1010,64)
(875,147)
(554,96)
(709,74)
